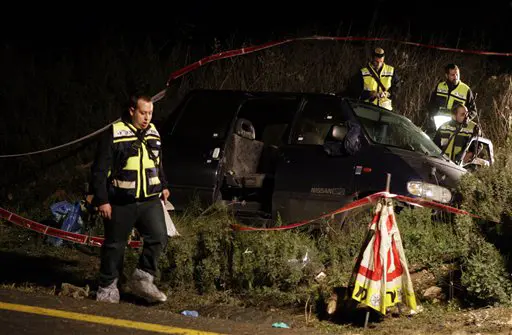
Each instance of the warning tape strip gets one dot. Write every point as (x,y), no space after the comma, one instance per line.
(62,145)
(55,232)
(434,205)
(353,205)
(359,203)
(246,50)
(98,241)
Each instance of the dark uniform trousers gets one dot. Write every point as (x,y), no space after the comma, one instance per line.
(148,217)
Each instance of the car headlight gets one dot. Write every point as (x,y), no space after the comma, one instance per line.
(439,120)
(429,191)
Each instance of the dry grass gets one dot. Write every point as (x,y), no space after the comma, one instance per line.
(55,101)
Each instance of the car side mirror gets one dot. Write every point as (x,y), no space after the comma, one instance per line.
(478,153)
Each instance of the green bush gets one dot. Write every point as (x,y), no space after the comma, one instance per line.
(485,277)
(200,257)
(428,242)
(210,256)
(279,259)
(486,265)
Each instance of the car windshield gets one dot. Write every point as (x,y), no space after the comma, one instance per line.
(395,130)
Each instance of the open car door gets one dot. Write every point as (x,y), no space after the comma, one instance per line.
(479,152)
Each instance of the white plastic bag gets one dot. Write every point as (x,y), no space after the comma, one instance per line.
(171,229)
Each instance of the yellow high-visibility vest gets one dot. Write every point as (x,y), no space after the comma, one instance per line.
(138,177)
(446,99)
(453,145)
(370,84)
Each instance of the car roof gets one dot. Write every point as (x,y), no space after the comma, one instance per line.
(260,94)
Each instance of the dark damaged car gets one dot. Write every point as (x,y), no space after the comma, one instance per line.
(296,155)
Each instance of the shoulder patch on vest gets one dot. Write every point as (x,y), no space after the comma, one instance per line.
(123,133)
(153,131)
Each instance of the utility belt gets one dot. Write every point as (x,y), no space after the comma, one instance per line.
(121,198)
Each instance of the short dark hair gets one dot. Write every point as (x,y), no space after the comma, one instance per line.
(456,106)
(450,66)
(132,103)
(134,99)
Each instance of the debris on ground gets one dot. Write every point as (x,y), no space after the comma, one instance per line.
(194,314)
(434,294)
(73,291)
(280,325)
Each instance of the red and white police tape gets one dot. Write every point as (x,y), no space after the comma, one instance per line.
(55,232)
(362,202)
(246,50)
(250,49)
(98,241)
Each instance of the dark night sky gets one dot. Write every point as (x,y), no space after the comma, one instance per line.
(75,23)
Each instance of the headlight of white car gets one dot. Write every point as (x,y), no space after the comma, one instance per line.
(439,120)
(429,191)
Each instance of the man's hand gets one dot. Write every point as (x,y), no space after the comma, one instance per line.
(468,157)
(382,95)
(165,194)
(374,94)
(379,95)
(105,211)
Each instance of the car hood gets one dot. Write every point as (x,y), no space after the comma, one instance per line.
(432,169)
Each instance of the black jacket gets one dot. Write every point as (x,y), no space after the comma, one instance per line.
(107,159)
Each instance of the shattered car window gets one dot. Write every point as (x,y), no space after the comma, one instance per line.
(391,129)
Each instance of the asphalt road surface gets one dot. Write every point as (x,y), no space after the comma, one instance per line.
(31,313)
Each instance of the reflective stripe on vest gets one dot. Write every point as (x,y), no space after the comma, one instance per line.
(370,84)
(447,98)
(138,177)
(458,142)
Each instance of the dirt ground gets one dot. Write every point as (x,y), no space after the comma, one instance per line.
(30,266)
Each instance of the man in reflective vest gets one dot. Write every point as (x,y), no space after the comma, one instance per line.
(448,93)
(378,81)
(453,136)
(127,183)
